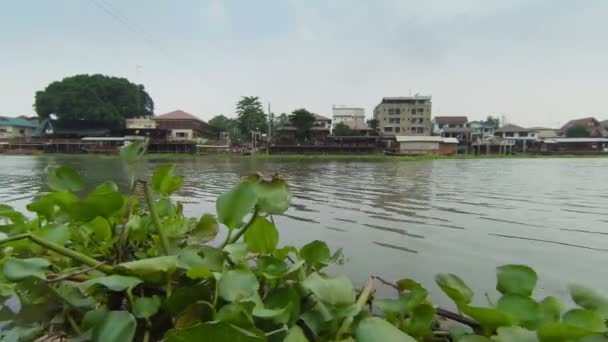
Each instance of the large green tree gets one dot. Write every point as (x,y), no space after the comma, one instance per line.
(99,100)
(250,115)
(222,123)
(302,120)
(577,131)
(343,130)
(492,122)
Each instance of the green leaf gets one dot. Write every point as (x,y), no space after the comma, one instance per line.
(586,319)
(285,298)
(419,324)
(193,314)
(234,205)
(206,229)
(316,254)
(237,284)
(589,299)
(146,307)
(164,181)
(93,318)
(273,194)
(116,326)
(100,228)
(552,309)
(165,207)
(295,334)
(271,268)
(104,200)
(390,306)
(216,331)
(374,329)
(113,282)
(74,297)
(184,296)
(413,298)
(455,288)
(474,338)
(195,265)
(407,284)
(488,318)
(561,332)
(522,310)
(239,314)
(136,229)
(283,252)
(54,232)
(18,269)
(515,334)
(131,152)
(336,291)
(64,178)
(44,206)
(516,279)
(237,251)
(261,236)
(156,270)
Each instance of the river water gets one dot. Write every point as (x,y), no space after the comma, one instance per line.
(400,218)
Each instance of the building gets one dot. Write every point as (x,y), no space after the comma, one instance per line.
(320,129)
(418,145)
(16,127)
(350,116)
(574,146)
(592,126)
(545,133)
(145,127)
(183,126)
(522,137)
(453,127)
(480,130)
(409,115)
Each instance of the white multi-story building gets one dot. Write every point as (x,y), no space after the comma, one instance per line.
(350,116)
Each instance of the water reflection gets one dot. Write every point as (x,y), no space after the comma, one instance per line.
(401,219)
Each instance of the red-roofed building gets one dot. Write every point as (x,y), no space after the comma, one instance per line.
(591,125)
(183,126)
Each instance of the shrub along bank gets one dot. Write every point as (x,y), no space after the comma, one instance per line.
(106,266)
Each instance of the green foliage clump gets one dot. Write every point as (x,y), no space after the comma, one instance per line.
(106,266)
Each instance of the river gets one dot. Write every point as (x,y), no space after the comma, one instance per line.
(401,218)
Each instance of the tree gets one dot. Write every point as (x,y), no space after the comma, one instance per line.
(281,121)
(93,100)
(577,131)
(250,115)
(302,120)
(493,122)
(373,124)
(343,130)
(219,124)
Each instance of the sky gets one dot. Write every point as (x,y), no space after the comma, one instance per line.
(535,62)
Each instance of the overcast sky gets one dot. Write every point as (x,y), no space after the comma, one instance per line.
(538,62)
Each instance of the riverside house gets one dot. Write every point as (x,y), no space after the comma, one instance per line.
(183,126)
(522,137)
(16,127)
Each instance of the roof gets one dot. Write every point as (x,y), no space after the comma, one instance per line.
(542,129)
(453,120)
(512,128)
(320,117)
(16,122)
(425,138)
(586,122)
(406,98)
(177,115)
(457,130)
(576,140)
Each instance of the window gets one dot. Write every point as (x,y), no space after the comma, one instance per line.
(3,130)
(420,130)
(22,131)
(388,129)
(181,134)
(397,129)
(394,111)
(414,111)
(394,121)
(523,134)
(420,110)
(413,129)
(509,134)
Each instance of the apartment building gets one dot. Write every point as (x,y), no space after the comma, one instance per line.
(407,115)
(350,116)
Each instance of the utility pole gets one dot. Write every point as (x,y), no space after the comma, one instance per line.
(269,130)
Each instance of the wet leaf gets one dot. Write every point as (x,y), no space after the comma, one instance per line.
(131,152)
(237,284)
(586,319)
(64,178)
(164,181)
(116,326)
(413,298)
(515,334)
(216,331)
(295,334)
(261,236)
(273,195)
(561,332)
(374,329)
(18,269)
(522,310)
(316,254)
(113,282)
(234,205)
(44,206)
(552,309)
(54,232)
(206,229)
(155,270)
(146,307)
(419,324)
(589,299)
(455,288)
(102,232)
(104,200)
(516,279)
(488,318)
(336,291)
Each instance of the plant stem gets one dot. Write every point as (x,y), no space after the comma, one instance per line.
(363,297)
(72,323)
(240,233)
(61,250)
(164,242)
(227,239)
(123,231)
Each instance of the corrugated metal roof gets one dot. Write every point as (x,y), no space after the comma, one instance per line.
(455,120)
(425,138)
(17,122)
(576,140)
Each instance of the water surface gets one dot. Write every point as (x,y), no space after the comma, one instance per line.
(401,218)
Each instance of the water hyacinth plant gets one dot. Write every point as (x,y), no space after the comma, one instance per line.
(106,266)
